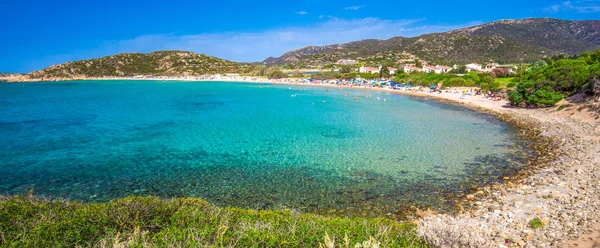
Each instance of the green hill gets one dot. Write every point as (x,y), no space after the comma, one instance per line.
(163,63)
(506,41)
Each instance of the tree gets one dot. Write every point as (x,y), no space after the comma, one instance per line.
(345,69)
(418,63)
(460,70)
(360,64)
(527,94)
(454,82)
(501,72)
(384,72)
(277,74)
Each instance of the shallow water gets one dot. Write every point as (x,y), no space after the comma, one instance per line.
(250,145)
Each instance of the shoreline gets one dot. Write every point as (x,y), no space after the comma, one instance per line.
(563,194)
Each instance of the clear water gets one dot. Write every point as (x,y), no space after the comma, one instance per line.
(250,145)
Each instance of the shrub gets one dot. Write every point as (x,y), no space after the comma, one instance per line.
(527,93)
(515,98)
(536,223)
(543,98)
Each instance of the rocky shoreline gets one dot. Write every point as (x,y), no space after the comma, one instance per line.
(561,187)
(564,193)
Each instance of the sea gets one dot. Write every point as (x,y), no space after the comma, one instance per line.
(351,152)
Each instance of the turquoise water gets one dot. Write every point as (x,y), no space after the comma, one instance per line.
(256,146)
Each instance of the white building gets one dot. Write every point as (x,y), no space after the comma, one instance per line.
(392,70)
(491,66)
(443,68)
(411,68)
(430,69)
(473,67)
(367,69)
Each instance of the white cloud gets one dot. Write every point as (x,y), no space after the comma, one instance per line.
(357,7)
(301,12)
(257,46)
(581,6)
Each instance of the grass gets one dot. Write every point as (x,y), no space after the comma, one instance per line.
(506,81)
(27,221)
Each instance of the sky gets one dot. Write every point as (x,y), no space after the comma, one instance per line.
(37,34)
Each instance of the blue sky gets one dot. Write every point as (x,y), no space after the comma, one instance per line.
(37,34)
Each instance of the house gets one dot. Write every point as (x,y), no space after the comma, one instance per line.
(491,66)
(443,68)
(367,69)
(411,68)
(430,69)
(473,67)
(392,70)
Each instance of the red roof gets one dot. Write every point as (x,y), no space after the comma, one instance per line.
(392,69)
(414,68)
(370,68)
(444,67)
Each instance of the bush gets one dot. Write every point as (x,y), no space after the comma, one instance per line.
(536,223)
(515,98)
(526,94)
(277,75)
(543,98)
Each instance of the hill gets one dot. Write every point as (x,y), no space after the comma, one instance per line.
(506,41)
(163,63)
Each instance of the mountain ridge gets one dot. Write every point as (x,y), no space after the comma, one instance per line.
(507,41)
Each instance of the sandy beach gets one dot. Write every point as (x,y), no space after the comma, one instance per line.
(564,194)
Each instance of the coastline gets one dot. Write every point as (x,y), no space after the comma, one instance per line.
(563,194)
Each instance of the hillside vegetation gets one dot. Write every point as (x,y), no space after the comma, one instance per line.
(551,80)
(162,63)
(508,41)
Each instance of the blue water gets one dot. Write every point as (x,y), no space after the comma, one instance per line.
(256,146)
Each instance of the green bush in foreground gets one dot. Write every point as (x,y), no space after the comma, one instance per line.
(184,222)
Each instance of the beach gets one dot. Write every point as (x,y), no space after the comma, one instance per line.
(563,194)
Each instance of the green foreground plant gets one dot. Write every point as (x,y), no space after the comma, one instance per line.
(184,222)
(536,223)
